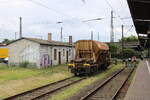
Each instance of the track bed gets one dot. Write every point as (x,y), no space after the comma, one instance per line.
(105,89)
(109,88)
(41,92)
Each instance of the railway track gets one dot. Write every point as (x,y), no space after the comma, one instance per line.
(119,89)
(109,89)
(40,92)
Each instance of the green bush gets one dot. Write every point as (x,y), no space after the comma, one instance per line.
(128,53)
(114,50)
(24,64)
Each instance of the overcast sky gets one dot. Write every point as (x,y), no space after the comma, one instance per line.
(40,17)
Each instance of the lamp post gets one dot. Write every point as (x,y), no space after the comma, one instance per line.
(61,31)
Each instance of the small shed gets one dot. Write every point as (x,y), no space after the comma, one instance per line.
(39,52)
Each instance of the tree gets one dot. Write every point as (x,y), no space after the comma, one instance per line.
(131,38)
(114,50)
(7,41)
(128,53)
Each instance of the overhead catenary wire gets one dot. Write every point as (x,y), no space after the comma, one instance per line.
(129,29)
(122,20)
(63,14)
(56,11)
(108,3)
(120,2)
(59,12)
(126,31)
(42,5)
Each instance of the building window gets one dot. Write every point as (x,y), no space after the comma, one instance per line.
(63,52)
(55,54)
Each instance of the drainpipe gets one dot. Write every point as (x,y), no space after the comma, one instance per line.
(51,56)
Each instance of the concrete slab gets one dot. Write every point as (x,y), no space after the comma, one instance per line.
(140,86)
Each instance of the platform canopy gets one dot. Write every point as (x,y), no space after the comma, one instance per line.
(140,12)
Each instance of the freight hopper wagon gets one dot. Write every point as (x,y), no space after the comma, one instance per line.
(91,57)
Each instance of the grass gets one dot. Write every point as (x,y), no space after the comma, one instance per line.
(77,87)
(133,73)
(14,80)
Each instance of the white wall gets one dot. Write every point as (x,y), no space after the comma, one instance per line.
(49,50)
(24,50)
(63,57)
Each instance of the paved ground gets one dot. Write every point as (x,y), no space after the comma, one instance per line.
(140,86)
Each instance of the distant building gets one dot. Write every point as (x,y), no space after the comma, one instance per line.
(40,53)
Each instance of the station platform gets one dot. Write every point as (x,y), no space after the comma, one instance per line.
(140,86)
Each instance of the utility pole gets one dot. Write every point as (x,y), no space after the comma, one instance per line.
(91,35)
(61,34)
(15,35)
(61,31)
(20,30)
(112,28)
(122,40)
(98,36)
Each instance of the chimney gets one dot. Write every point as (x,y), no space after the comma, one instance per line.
(70,39)
(49,36)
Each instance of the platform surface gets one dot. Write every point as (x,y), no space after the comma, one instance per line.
(140,86)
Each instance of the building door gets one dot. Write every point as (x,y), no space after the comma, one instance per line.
(45,60)
(59,59)
(67,54)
